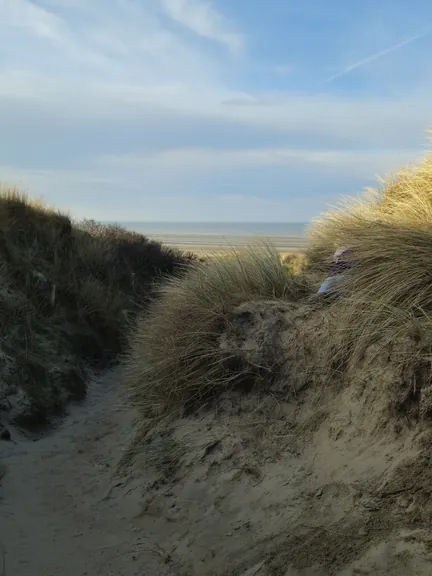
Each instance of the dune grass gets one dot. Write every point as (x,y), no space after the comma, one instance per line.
(383,318)
(176,358)
(384,315)
(294,262)
(67,294)
(388,303)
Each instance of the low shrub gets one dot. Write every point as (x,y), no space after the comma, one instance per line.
(176,357)
(68,293)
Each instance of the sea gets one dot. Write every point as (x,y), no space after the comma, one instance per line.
(208,237)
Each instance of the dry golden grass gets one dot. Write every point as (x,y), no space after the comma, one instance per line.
(294,262)
(175,357)
(405,201)
(389,292)
(384,315)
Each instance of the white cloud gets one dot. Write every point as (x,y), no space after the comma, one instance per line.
(203,19)
(88,196)
(188,184)
(358,163)
(118,59)
(115,107)
(116,40)
(30,16)
(391,122)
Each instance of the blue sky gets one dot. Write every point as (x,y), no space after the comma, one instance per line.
(192,110)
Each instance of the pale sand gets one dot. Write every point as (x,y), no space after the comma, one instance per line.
(211,243)
(247,497)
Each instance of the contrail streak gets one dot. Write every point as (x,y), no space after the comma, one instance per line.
(379,54)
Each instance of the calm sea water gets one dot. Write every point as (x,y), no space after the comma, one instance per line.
(218,228)
(207,237)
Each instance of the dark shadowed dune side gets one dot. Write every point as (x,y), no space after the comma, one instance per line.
(68,292)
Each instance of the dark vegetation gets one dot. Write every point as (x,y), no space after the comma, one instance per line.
(68,294)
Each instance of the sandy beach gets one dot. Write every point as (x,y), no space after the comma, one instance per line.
(211,243)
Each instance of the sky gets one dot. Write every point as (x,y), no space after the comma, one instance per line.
(200,110)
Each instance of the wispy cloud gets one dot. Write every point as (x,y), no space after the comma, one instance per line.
(377,55)
(362,163)
(31,17)
(203,19)
(117,40)
(138,108)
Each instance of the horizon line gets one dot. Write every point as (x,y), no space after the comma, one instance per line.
(206,221)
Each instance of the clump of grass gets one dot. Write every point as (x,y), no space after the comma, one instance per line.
(68,292)
(175,357)
(294,262)
(388,305)
(404,200)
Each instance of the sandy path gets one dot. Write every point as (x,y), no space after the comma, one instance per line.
(237,504)
(56,513)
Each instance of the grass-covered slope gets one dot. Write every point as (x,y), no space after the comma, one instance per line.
(67,294)
(178,354)
(385,316)
(179,350)
(336,420)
